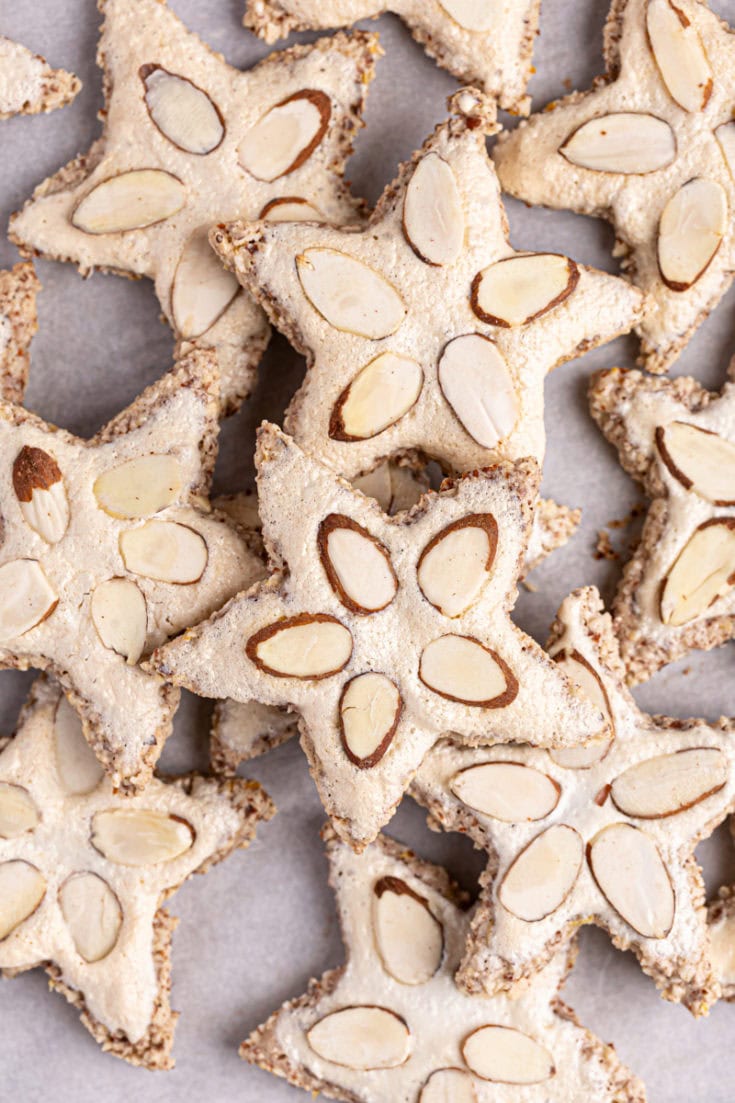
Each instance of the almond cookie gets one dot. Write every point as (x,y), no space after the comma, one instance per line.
(721,918)
(28,85)
(652,149)
(84,871)
(189,140)
(110,547)
(18,324)
(392,1025)
(426,331)
(483,42)
(604,834)
(678,440)
(382,632)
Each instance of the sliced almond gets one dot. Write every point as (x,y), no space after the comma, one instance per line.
(182,112)
(395,487)
(77,766)
(692,226)
(448,1086)
(586,678)
(477,384)
(286,136)
(507,1056)
(357,565)
(410,939)
(679,54)
(700,460)
(165,551)
(18,812)
(291,208)
(369,711)
(725,135)
(130,201)
(140,836)
(669,783)
(722,949)
(703,572)
(433,218)
(39,488)
(361,1038)
(379,396)
(631,875)
(455,566)
(507,791)
(137,488)
(462,669)
(26,597)
(119,614)
(350,295)
(312,645)
(544,873)
(92,913)
(22,888)
(202,288)
(626,142)
(517,290)
(473,15)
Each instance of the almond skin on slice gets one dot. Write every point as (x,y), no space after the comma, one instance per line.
(118,611)
(357,565)
(202,288)
(182,112)
(692,226)
(361,1038)
(586,678)
(507,791)
(140,487)
(448,1086)
(26,597)
(380,395)
(18,812)
(477,384)
(543,874)
(462,669)
(349,295)
(165,551)
(76,764)
(433,219)
(290,208)
(39,488)
(517,290)
(669,783)
(130,201)
(679,54)
(455,566)
(507,1056)
(700,460)
(369,711)
(286,136)
(92,913)
(630,874)
(625,142)
(22,888)
(472,15)
(703,572)
(410,939)
(140,836)
(311,645)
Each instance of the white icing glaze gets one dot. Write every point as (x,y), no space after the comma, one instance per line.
(21,76)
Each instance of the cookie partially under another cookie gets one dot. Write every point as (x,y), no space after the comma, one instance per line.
(28,84)
(18,324)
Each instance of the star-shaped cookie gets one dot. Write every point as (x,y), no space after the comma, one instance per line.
(109,547)
(721,919)
(188,140)
(483,42)
(426,331)
(28,85)
(678,440)
(382,632)
(84,871)
(392,1025)
(602,835)
(652,149)
(18,324)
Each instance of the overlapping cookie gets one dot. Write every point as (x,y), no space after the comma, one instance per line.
(18,324)
(652,148)
(188,141)
(602,835)
(29,85)
(426,331)
(84,872)
(391,1024)
(721,919)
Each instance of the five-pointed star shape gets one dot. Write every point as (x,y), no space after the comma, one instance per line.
(108,548)
(195,176)
(84,872)
(673,436)
(682,143)
(398,358)
(380,633)
(18,324)
(424,1039)
(591,837)
(29,84)
(483,42)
